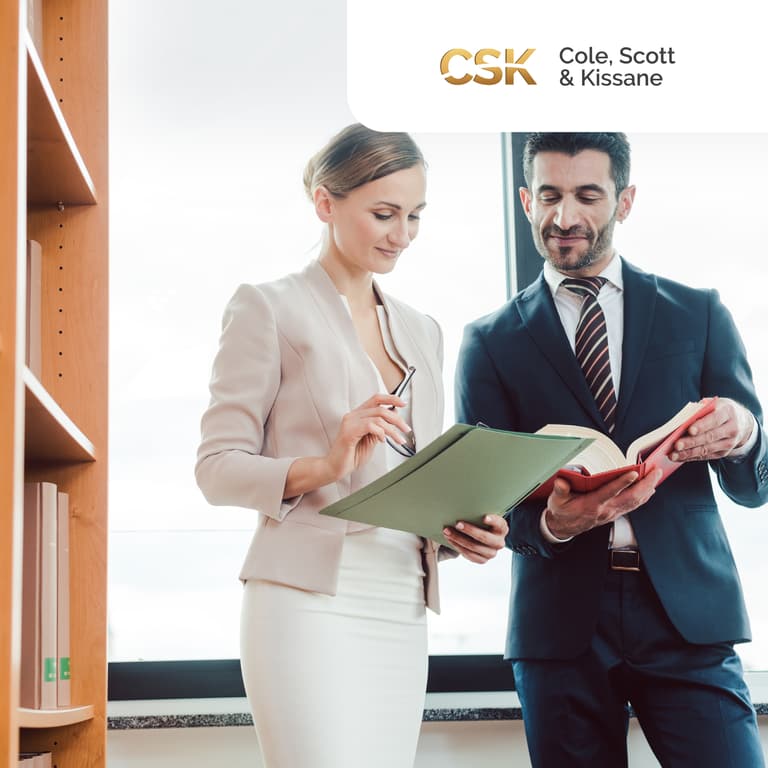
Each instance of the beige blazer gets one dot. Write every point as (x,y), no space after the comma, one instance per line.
(289,367)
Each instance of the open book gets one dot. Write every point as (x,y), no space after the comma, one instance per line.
(602,460)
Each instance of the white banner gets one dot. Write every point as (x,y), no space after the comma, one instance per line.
(448,66)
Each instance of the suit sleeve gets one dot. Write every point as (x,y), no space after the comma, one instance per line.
(727,374)
(481,396)
(230,468)
(479,392)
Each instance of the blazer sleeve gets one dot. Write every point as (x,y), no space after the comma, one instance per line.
(480,394)
(231,469)
(727,373)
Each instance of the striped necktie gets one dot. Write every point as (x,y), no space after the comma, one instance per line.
(592,346)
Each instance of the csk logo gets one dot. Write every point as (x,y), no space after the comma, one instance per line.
(482,59)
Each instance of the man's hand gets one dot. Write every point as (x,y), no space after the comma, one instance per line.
(569,514)
(715,435)
(478,544)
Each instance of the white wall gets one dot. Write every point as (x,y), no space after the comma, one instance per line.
(442,745)
(486,744)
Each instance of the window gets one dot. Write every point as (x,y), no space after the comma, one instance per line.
(174,560)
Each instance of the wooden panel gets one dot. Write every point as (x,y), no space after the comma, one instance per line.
(56,171)
(11,346)
(75,58)
(74,312)
(82,745)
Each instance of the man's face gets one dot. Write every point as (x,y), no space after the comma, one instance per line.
(572,207)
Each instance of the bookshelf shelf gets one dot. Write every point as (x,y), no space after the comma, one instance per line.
(53,718)
(50,435)
(56,172)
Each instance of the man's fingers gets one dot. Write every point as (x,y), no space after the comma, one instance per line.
(711,421)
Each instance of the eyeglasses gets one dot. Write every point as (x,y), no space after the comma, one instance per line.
(408,448)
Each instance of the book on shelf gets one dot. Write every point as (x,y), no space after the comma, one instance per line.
(38,688)
(602,460)
(63,695)
(34,298)
(35,760)
(466,473)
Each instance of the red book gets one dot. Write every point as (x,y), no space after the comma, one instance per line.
(602,460)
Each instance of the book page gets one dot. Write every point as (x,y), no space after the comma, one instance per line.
(599,456)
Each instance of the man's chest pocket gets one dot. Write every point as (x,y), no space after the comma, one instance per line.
(670,348)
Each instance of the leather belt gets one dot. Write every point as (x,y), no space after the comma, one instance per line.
(624,559)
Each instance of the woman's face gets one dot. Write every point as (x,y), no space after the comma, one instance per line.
(376,222)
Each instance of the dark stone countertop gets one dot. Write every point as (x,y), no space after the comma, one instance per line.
(441,714)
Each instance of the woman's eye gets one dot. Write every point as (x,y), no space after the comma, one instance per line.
(383,216)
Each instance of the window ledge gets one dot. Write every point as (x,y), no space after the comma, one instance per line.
(440,707)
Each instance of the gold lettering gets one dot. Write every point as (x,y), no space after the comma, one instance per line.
(445,64)
(495,72)
(510,72)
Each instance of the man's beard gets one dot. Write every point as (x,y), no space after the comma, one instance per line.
(600,246)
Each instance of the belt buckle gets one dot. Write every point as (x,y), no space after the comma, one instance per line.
(625,560)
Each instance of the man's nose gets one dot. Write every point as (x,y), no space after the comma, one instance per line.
(567,213)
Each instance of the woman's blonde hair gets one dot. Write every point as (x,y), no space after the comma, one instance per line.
(357,155)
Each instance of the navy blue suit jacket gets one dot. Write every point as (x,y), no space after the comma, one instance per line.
(516,371)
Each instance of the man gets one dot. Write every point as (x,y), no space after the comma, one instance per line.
(627,594)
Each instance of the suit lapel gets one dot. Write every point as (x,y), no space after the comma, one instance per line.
(640,292)
(539,314)
(361,379)
(358,378)
(424,387)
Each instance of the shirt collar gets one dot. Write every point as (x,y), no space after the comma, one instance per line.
(612,273)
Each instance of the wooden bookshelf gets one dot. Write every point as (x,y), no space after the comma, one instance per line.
(53,173)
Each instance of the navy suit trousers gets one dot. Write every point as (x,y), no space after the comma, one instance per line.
(690,700)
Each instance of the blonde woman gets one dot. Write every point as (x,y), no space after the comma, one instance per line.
(333,626)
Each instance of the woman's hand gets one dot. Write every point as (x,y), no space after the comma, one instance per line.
(361,429)
(368,424)
(478,544)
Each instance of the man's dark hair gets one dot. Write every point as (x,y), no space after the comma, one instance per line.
(615,145)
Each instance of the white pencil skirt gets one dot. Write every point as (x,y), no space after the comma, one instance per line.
(339,682)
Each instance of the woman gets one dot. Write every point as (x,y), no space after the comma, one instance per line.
(333,629)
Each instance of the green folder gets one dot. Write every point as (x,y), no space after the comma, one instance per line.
(465,474)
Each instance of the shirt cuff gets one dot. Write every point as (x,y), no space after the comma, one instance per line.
(738,454)
(546,533)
